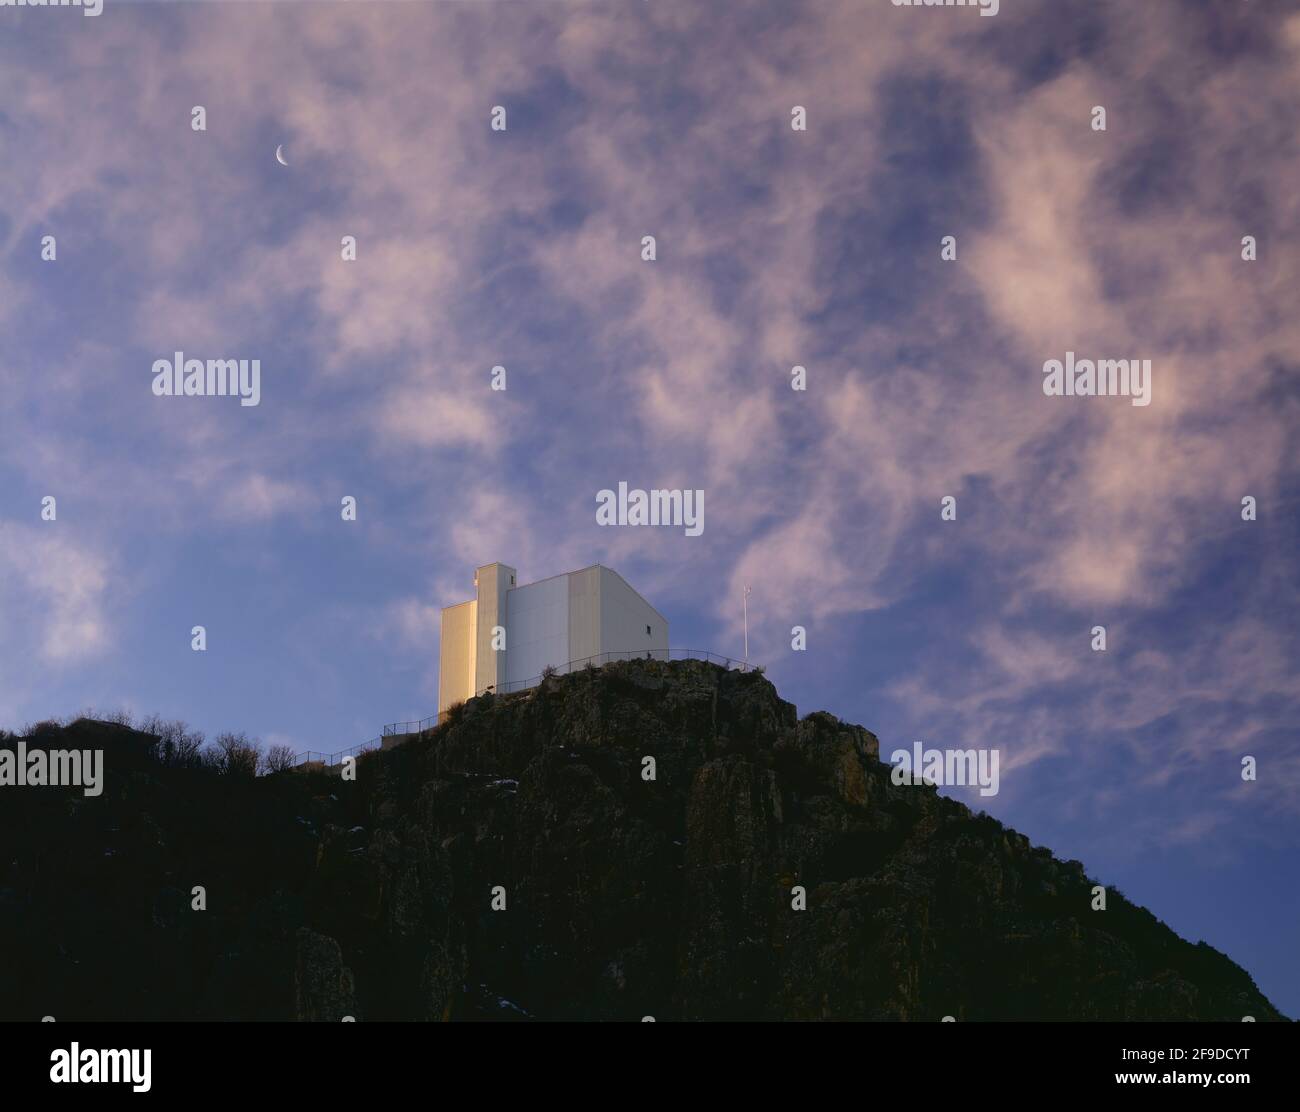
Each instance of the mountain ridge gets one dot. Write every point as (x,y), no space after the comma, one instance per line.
(624,897)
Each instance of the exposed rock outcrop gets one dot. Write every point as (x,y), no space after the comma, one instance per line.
(623,896)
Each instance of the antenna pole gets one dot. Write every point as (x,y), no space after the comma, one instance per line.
(746,605)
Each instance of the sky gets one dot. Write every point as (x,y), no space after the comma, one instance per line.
(774,248)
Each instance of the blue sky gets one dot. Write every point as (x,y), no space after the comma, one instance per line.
(818,248)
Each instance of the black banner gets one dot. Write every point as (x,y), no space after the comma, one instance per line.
(347,1061)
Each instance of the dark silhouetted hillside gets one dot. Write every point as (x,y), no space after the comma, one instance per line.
(624,898)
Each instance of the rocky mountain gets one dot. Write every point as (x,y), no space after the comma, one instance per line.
(623,896)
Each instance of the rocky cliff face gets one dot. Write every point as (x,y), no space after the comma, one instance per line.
(624,896)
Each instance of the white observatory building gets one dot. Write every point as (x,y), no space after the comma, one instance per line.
(567,620)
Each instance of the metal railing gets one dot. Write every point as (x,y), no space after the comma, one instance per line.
(328,760)
(422,724)
(418,726)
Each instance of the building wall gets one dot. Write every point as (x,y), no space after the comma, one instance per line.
(456,661)
(494,582)
(584,613)
(537,629)
(624,617)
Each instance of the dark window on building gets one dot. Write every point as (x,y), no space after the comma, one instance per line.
(647,631)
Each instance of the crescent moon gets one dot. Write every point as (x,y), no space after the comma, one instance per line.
(279,155)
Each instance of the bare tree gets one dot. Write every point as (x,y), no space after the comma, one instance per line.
(188,748)
(212,759)
(279,758)
(238,754)
(178,745)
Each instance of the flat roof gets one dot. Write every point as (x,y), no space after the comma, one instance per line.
(589,567)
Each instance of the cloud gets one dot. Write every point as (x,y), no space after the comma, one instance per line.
(258,497)
(776,248)
(56,588)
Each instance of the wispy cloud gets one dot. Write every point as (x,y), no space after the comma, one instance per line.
(775,248)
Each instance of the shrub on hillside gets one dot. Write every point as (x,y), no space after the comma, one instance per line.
(279,758)
(236,754)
